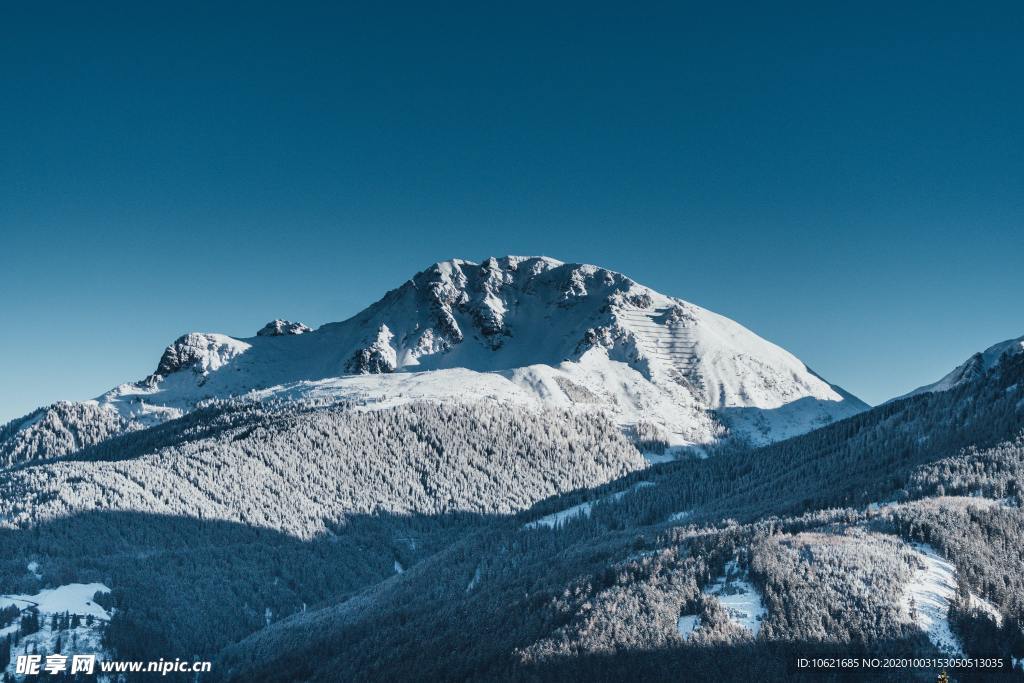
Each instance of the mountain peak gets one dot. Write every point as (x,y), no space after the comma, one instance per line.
(509,262)
(550,331)
(282,328)
(528,330)
(201,352)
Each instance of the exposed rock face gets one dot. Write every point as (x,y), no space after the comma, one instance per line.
(282,328)
(487,306)
(377,358)
(452,301)
(200,352)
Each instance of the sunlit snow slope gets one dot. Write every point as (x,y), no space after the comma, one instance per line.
(531,331)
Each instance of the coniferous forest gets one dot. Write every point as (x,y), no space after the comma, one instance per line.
(322,541)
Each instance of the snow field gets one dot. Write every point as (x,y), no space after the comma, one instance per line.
(739,598)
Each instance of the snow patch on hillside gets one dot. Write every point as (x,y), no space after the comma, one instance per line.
(740,598)
(558,519)
(687,624)
(927,598)
(737,595)
(929,594)
(475,581)
(75,598)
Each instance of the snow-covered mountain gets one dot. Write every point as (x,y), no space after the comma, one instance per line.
(526,330)
(974,367)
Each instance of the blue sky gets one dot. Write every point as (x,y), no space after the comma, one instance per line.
(847,181)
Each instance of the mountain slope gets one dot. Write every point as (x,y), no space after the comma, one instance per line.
(530,331)
(211,521)
(822,531)
(974,367)
(299,469)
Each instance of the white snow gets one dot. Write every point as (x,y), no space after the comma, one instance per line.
(202,353)
(980,603)
(75,598)
(278,328)
(622,393)
(530,331)
(927,598)
(33,568)
(659,458)
(475,581)
(739,598)
(557,519)
(687,624)
(398,567)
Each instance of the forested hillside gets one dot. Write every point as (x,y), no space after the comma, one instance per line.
(297,469)
(57,430)
(211,527)
(318,540)
(864,459)
(842,541)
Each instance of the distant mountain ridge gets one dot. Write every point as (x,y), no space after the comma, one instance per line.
(974,367)
(528,330)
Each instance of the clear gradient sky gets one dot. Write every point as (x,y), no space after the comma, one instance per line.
(846,179)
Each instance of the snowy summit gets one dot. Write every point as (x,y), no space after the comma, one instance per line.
(529,330)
